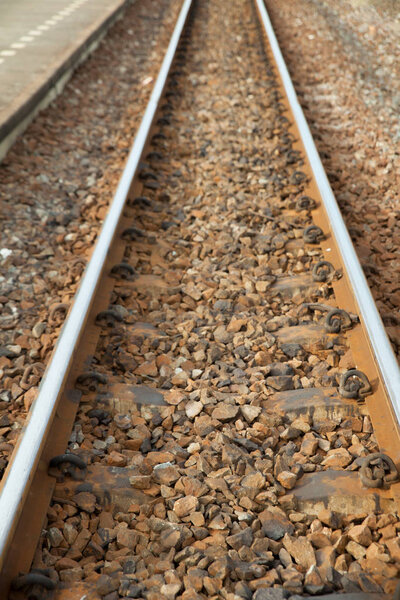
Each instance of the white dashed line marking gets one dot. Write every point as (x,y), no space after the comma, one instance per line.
(34,33)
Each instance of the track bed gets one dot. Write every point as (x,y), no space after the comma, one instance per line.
(223,448)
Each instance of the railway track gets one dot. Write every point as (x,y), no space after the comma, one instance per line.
(231,393)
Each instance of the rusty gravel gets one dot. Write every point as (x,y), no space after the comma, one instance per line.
(55,186)
(344,58)
(212,468)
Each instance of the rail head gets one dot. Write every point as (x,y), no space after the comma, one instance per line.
(380,344)
(20,472)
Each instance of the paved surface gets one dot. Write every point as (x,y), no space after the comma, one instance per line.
(40,44)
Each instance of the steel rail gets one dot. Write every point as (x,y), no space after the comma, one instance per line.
(27,453)
(380,344)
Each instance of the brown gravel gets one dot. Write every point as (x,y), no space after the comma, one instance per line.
(344,58)
(210,471)
(55,185)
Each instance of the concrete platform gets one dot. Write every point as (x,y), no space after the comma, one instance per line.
(41,43)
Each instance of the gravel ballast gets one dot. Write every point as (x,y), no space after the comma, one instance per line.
(55,187)
(344,58)
(211,465)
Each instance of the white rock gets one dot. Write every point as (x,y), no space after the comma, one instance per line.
(194,447)
(193,408)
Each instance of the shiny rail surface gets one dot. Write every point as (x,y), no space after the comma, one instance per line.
(25,460)
(379,340)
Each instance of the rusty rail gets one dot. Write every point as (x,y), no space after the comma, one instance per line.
(26,458)
(380,344)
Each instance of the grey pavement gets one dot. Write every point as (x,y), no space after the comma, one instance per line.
(37,39)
